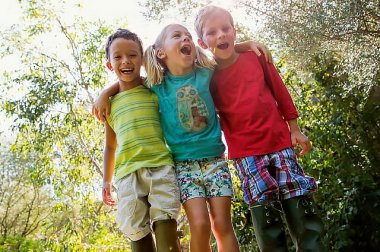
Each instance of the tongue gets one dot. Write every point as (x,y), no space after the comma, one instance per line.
(185,51)
(223,46)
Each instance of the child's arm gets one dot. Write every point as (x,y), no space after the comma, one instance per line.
(298,137)
(254,46)
(101,107)
(108,165)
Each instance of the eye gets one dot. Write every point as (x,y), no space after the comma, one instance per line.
(210,33)
(117,57)
(176,35)
(226,29)
(133,55)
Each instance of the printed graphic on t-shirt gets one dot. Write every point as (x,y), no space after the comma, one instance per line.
(192,110)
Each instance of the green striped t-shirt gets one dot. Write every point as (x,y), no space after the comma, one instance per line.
(135,120)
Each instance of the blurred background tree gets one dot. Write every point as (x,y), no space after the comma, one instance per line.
(52,172)
(327,52)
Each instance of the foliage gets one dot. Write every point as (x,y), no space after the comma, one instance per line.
(333,46)
(343,158)
(58,143)
(305,29)
(24,205)
(328,54)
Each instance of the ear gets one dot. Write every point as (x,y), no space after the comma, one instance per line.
(161,54)
(109,66)
(234,33)
(202,44)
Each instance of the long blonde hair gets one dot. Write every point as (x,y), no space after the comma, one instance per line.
(155,68)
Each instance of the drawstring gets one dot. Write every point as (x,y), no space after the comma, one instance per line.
(151,181)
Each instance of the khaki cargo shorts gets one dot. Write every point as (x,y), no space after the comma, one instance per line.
(146,196)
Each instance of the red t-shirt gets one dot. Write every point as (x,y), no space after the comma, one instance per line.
(253,105)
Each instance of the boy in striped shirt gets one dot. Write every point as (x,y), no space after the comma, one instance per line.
(136,155)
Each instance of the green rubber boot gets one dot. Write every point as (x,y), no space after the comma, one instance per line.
(145,244)
(304,224)
(166,236)
(269,228)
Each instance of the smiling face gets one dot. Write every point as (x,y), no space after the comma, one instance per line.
(177,50)
(218,35)
(125,59)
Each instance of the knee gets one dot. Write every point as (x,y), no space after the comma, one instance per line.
(222,226)
(200,227)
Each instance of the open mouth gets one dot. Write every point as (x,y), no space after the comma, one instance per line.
(186,49)
(126,70)
(223,46)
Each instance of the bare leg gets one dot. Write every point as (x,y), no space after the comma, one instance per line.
(200,227)
(220,215)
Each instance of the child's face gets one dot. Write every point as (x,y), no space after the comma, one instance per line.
(125,59)
(178,49)
(218,36)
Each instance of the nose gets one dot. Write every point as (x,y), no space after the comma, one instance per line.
(126,60)
(186,38)
(221,34)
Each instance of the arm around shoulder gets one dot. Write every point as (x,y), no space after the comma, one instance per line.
(256,47)
(101,107)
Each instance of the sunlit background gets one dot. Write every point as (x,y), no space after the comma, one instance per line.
(111,11)
(327,51)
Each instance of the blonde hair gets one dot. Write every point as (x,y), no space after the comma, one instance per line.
(155,68)
(205,13)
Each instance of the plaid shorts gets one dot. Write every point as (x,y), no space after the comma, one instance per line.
(205,178)
(273,177)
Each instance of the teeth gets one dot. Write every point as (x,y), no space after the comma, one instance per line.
(222,46)
(127,70)
(186,49)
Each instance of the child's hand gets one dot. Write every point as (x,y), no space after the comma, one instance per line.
(299,138)
(257,47)
(107,194)
(101,108)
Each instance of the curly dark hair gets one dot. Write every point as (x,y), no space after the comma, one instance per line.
(125,34)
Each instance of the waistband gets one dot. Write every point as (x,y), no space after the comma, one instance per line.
(201,160)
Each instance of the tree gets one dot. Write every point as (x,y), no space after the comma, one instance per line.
(328,54)
(58,140)
(334,47)
(24,205)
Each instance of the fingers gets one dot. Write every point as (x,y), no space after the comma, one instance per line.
(108,110)
(94,112)
(303,141)
(265,50)
(99,114)
(102,117)
(306,147)
(268,56)
(257,51)
(107,197)
(294,141)
(104,112)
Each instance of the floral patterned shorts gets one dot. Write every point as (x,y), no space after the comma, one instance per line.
(204,178)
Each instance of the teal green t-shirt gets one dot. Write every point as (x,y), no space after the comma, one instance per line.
(188,118)
(136,122)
